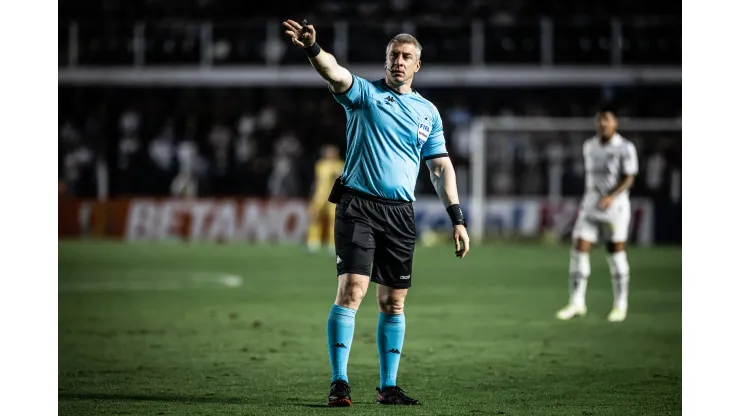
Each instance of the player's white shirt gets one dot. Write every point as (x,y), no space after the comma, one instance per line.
(605,165)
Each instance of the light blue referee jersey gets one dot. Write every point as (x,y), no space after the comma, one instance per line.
(388,134)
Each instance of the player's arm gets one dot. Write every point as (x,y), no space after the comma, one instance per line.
(628,165)
(338,77)
(629,170)
(625,182)
(443,178)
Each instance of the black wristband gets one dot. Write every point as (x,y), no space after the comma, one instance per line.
(456,215)
(312,50)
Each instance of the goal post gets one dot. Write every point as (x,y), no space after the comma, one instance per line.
(538,132)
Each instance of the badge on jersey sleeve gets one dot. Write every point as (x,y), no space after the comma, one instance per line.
(423,133)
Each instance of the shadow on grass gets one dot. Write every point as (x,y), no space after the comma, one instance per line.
(184,399)
(326,406)
(153,398)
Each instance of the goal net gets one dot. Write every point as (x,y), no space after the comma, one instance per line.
(526,174)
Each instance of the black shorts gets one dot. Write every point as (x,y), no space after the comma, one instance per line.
(375,237)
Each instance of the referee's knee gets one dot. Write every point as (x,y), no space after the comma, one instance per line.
(350,292)
(390,305)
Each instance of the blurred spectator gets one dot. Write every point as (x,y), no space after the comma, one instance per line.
(129,161)
(261,142)
(219,142)
(245,157)
(185,183)
(77,161)
(284,180)
(162,155)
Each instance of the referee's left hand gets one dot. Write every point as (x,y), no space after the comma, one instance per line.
(300,36)
(462,241)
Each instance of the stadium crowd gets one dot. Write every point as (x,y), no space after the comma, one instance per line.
(263,142)
(241,32)
(363,9)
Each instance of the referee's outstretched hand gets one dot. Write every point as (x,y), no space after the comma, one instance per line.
(300,36)
(462,241)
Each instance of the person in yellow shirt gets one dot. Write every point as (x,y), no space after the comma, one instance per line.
(326,171)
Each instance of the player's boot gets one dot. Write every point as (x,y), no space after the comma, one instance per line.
(394,395)
(339,394)
(571,311)
(617,315)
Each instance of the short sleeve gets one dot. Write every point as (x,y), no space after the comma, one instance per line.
(435,146)
(356,93)
(629,160)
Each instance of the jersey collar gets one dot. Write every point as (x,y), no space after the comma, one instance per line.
(614,141)
(382,81)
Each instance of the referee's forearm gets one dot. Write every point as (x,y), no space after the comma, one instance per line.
(445,183)
(326,65)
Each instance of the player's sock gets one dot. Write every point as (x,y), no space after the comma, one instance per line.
(391,329)
(620,271)
(580,269)
(340,328)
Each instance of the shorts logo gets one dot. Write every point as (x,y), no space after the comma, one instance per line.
(339,259)
(423,133)
(406,277)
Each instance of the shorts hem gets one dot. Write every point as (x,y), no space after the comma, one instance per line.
(351,271)
(392,286)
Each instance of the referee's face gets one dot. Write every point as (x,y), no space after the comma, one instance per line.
(401,63)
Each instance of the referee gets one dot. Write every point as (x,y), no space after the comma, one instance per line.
(390,128)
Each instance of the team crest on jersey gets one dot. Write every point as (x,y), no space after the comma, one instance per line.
(423,133)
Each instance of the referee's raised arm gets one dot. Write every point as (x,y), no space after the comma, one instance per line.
(338,77)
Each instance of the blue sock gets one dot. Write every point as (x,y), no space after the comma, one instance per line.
(340,328)
(391,329)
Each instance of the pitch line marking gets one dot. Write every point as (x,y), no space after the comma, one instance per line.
(175,281)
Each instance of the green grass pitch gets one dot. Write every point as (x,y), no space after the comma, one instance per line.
(240,330)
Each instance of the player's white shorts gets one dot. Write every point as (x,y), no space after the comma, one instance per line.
(611,226)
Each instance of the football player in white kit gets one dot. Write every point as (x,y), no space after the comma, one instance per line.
(611,166)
